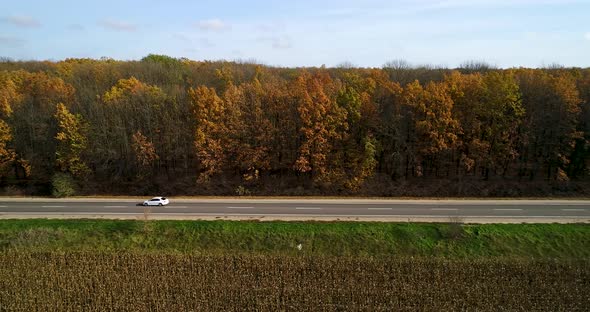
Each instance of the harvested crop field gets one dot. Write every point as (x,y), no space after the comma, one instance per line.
(92,281)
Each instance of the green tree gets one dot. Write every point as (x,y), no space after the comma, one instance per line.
(359,143)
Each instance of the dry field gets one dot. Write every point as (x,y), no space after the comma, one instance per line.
(66,281)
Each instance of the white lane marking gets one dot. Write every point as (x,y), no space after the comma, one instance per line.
(275,215)
(114,206)
(64,213)
(53,206)
(573,209)
(239,207)
(308,208)
(508,209)
(380,208)
(444,209)
(3,206)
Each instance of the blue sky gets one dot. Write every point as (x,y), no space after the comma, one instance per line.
(505,33)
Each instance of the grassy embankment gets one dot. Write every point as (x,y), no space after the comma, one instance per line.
(541,241)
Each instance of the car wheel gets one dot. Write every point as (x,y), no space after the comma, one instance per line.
(144,204)
(160,204)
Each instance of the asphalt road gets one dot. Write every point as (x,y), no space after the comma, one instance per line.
(481,211)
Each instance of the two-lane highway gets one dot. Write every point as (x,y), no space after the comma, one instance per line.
(305,209)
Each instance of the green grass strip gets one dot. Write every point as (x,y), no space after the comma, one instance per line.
(560,241)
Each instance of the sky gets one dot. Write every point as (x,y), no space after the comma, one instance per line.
(370,33)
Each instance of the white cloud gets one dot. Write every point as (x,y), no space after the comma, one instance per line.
(405,7)
(270,27)
(283,42)
(10,41)
(181,37)
(117,25)
(213,25)
(587,35)
(204,42)
(22,21)
(492,3)
(531,35)
(76,27)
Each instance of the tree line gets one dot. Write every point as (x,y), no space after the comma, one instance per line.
(178,126)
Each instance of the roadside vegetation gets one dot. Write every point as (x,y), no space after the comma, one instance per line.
(452,240)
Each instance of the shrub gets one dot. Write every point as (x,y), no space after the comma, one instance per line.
(63,185)
(242,191)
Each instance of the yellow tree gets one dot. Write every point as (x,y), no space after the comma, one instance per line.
(255,132)
(467,92)
(435,127)
(392,125)
(33,119)
(306,109)
(7,156)
(501,116)
(145,152)
(8,97)
(579,165)
(138,103)
(72,142)
(208,111)
(321,124)
(552,102)
(232,123)
(490,112)
(129,106)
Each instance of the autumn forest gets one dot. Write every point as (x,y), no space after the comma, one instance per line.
(169,126)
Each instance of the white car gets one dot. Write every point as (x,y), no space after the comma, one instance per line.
(157,201)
